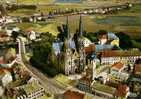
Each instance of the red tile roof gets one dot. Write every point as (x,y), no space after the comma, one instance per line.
(73,95)
(2,60)
(118,65)
(122,90)
(6,69)
(3,34)
(89,49)
(115,53)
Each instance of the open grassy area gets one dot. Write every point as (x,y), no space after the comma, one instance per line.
(62,79)
(39,27)
(128,21)
(46,9)
(35,1)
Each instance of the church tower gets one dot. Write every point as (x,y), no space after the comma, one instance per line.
(81,46)
(69,66)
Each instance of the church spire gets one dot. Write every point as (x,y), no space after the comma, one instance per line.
(80,26)
(67,27)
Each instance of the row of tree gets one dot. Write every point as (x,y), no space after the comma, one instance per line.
(43,55)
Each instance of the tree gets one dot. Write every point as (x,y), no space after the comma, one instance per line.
(15,34)
(10,55)
(43,56)
(125,41)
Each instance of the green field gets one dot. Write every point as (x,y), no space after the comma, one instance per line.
(128,21)
(35,1)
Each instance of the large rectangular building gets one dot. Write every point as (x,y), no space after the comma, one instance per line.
(113,56)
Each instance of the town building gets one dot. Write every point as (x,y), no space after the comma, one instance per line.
(31,35)
(122,91)
(4,37)
(71,58)
(85,84)
(105,91)
(30,91)
(110,57)
(118,73)
(73,95)
(90,49)
(68,55)
(5,77)
(86,42)
(2,60)
(117,68)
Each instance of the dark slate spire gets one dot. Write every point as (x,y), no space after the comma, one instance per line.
(67,27)
(80,26)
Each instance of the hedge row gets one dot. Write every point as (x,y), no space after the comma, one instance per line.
(15,7)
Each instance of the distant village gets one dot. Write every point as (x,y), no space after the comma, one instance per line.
(103,68)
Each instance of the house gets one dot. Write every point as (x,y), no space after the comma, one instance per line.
(117,72)
(4,37)
(117,67)
(122,91)
(10,29)
(106,41)
(73,95)
(5,77)
(32,35)
(86,42)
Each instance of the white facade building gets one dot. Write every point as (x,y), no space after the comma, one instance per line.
(111,57)
(5,78)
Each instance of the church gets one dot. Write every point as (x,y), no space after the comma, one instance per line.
(70,52)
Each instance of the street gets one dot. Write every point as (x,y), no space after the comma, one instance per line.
(49,84)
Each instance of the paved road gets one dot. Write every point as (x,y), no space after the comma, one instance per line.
(49,84)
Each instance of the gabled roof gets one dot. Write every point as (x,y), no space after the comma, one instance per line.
(118,53)
(4,71)
(3,34)
(121,90)
(90,49)
(2,60)
(118,65)
(73,95)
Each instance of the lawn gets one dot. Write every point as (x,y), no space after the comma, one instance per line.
(39,27)
(62,79)
(104,88)
(35,1)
